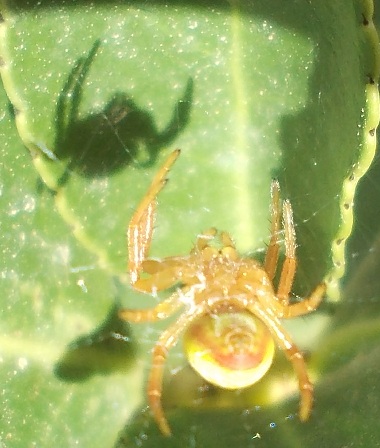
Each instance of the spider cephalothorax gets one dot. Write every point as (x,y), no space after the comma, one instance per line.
(214,280)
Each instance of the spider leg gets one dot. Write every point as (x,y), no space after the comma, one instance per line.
(158,281)
(290,263)
(305,386)
(161,311)
(271,258)
(140,228)
(293,354)
(166,341)
(306,305)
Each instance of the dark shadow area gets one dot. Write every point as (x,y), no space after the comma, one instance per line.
(109,348)
(122,133)
(11,110)
(293,15)
(304,137)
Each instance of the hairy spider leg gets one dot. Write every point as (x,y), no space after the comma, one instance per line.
(163,273)
(293,354)
(161,311)
(271,258)
(259,309)
(140,229)
(288,311)
(166,341)
(306,305)
(290,264)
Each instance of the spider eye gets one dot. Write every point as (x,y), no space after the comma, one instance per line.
(230,350)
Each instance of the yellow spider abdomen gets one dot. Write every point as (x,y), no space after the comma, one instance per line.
(232,350)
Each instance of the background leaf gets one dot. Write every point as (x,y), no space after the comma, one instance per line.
(249,91)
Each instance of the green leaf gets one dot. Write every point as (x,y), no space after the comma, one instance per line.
(101,92)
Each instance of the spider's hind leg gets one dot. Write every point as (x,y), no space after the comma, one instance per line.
(160,351)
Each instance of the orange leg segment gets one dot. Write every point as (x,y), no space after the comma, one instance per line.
(290,264)
(271,257)
(140,228)
(304,383)
(166,341)
(307,305)
(293,354)
(161,311)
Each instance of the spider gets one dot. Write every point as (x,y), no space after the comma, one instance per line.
(214,280)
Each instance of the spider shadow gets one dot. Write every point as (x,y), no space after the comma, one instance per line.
(108,348)
(104,142)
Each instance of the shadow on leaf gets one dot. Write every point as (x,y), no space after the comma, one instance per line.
(109,348)
(122,133)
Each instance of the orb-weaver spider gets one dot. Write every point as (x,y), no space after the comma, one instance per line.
(214,281)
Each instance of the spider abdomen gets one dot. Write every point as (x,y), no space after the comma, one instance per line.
(232,350)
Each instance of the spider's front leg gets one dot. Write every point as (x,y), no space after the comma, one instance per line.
(140,228)
(290,264)
(271,257)
(289,267)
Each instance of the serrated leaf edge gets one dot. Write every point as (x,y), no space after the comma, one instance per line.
(371,118)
